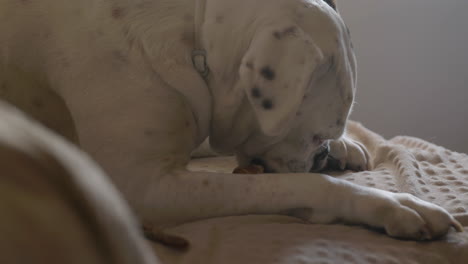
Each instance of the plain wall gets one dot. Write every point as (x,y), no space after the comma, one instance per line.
(412,67)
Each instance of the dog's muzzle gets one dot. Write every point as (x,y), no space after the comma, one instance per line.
(319,160)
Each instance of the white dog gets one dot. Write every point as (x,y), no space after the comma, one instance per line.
(273,82)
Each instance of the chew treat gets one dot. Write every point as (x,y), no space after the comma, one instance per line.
(251,169)
(157,235)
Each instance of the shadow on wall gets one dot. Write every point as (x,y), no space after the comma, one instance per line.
(412,68)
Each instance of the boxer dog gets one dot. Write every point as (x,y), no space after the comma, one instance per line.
(139,84)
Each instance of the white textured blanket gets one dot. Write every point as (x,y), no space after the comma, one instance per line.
(402,164)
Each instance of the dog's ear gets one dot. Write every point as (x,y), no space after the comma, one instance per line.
(275,74)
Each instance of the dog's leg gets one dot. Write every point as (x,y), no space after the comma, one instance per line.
(144,132)
(347,153)
(144,166)
(185,196)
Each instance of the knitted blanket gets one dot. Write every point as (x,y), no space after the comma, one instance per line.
(401,164)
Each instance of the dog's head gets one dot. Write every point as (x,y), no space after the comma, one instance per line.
(298,77)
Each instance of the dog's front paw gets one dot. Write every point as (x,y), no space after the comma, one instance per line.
(411,218)
(346,153)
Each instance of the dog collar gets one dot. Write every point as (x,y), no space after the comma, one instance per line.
(199,54)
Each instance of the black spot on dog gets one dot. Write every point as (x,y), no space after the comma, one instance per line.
(339,122)
(277,35)
(256,93)
(331,3)
(267,73)
(267,104)
(118,12)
